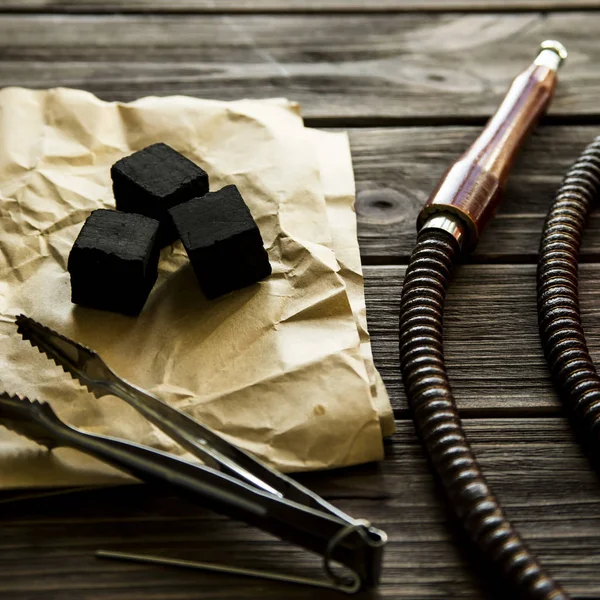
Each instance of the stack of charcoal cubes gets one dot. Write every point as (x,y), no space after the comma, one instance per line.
(160,197)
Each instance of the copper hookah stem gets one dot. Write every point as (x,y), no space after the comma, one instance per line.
(472,187)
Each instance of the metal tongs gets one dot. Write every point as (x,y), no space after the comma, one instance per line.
(231,481)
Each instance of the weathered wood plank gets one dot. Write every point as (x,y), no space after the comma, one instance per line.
(286,6)
(492,346)
(536,469)
(399,67)
(396,169)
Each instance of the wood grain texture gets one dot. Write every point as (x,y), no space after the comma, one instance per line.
(286,6)
(536,469)
(342,68)
(397,168)
(492,346)
(357,69)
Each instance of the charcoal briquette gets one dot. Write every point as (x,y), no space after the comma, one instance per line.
(113,262)
(151,181)
(222,241)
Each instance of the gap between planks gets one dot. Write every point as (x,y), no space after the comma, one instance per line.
(301,7)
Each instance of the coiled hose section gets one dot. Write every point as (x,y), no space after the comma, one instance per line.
(438,424)
(559,318)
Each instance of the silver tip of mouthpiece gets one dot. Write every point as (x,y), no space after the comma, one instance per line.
(555,46)
(551,55)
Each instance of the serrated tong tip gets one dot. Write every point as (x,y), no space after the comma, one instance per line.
(79,361)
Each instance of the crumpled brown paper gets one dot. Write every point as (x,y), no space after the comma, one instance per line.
(282,368)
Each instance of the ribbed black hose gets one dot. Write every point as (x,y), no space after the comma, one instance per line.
(558,303)
(437,422)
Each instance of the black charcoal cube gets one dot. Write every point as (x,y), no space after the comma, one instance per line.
(151,181)
(222,241)
(113,262)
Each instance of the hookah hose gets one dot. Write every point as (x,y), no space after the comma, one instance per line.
(559,319)
(449,225)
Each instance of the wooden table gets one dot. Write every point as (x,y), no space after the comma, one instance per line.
(413,81)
